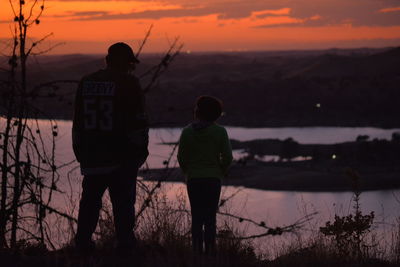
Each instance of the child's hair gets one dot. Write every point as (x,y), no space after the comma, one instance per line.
(208,108)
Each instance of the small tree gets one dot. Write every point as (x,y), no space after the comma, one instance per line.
(29,173)
(349,231)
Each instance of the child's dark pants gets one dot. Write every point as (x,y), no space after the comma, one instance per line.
(204,198)
(122,190)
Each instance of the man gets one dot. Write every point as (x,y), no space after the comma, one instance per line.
(110,139)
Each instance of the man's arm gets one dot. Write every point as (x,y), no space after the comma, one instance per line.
(77,124)
(137,124)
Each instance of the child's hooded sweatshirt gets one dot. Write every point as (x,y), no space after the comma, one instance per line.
(204,150)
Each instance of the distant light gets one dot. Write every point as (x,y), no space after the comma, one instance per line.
(333,156)
(318,105)
(188,52)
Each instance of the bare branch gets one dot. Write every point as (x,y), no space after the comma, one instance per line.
(146,37)
(34,44)
(223,201)
(51,48)
(270,230)
(31,11)
(12,8)
(169,56)
(158,185)
(62,214)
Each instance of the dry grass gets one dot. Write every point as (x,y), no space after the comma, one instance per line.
(163,239)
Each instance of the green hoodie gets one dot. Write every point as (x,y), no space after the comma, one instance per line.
(204,152)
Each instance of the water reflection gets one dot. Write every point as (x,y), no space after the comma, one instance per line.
(283,207)
(304,135)
(276,208)
(280,208)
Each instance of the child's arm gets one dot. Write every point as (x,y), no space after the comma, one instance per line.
(182,153)
(226,153)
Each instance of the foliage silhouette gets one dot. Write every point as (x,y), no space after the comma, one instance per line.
(349,231)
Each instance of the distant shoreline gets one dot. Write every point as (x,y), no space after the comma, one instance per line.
(290,177)
(255,126)
(318,168)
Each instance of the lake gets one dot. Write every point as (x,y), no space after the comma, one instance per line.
(275,208)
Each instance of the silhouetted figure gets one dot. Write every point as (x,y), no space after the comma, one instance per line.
(110,139)
(204,156)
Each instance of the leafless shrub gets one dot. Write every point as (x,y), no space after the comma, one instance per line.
(29,170)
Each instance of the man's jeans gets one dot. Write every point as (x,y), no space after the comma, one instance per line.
(204,197)
(121,185)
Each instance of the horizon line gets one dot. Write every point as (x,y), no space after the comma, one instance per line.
(239,51)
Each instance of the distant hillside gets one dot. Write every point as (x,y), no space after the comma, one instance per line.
(358,87)
(330,65)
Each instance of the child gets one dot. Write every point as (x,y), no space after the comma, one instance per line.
(204,156)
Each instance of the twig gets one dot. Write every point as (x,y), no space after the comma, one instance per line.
(270,230)
(146,37)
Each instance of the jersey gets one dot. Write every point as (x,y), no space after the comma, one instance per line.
(110,124)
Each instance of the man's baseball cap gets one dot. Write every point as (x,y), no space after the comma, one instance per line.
(122,50)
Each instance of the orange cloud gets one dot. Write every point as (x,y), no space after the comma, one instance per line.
(389,9)
(268,12)
(204,25)
(277,21)
(86,9)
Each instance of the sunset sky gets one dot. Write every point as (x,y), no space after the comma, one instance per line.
(215,25)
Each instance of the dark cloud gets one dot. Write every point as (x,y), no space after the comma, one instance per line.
(79,15)
(356,12)
(332,12)
(224,9)
(89,13)
(292,24)
(153,14)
